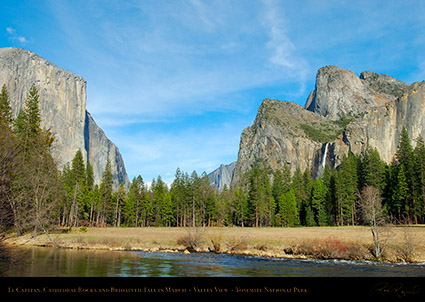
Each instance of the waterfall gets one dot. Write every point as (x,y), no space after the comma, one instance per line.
(321,168)
(324,156)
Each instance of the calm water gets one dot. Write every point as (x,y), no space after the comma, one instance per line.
(48,262)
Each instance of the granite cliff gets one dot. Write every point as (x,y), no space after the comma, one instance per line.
(63,110)
(222,176)
(345,113)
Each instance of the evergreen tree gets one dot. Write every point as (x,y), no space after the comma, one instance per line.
(78,182)
(239,206)
(329,182)
(27,125)
(308,215)
(299,190)
(288,208)
(10,153)
(346,185)
(119,197)
(404,154)
(401,194)
(318,202)
(161,202)
(281,182)
(405,158)
(5,110)
(147,209)
(167,211)
(105,201)
(419,154)
(372,169)
(89,176)
(133,202)
(260,200)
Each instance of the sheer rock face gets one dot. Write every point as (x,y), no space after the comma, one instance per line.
(340,92)
(344,114)
(222,176)
(283,133)
(380,127)
(63,110)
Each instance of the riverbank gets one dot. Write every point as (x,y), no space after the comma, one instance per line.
(351,242)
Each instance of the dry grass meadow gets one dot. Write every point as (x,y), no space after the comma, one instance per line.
(402,243)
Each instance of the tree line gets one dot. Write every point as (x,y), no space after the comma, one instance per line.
(35,196)
(263,198)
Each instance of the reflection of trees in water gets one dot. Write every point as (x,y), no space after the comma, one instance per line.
(11,259)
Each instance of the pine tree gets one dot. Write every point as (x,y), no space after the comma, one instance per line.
(346,185)
(404,154)
(299,190)
(419,154)
(288,208)
(401,194)
(89,176)
(372,169)
(239,206)
(5,110)
(405,157)
(161,202)
(27,125)
(119,197)
(78,180)
(329,182)
(10,153)
(261,205)
(133,202)
(105,202)
(318,202)
(167,217)
(281,182)
(147,209)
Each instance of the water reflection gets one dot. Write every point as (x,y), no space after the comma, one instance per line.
(47,262)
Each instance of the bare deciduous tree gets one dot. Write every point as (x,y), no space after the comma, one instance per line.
(370,202)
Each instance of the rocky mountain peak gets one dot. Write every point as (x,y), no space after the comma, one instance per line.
(344,114)
(339,92)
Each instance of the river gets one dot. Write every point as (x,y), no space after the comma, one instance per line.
(49,262)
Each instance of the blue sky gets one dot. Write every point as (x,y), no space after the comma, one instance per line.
(173,83)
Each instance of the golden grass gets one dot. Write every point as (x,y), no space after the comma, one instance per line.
(258,241)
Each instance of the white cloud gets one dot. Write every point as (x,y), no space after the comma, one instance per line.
(10,30)
(23,40)
(12,36)
(283,53)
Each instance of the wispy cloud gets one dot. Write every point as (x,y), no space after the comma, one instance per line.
(14,37)
(177,58)
(283,53)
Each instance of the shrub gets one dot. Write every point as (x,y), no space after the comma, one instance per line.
(191,241)
(239,245)
(216,240)
(330,248)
